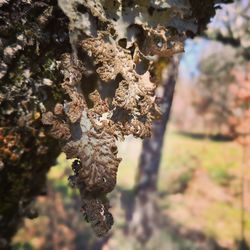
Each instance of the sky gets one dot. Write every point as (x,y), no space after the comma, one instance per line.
(194,48)
(189,60)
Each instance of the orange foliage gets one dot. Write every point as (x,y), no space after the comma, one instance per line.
(240,121)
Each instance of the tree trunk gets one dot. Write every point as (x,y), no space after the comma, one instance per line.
(31,40)
(144,219)
(152,147)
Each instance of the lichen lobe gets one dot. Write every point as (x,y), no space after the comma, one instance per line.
(114,47)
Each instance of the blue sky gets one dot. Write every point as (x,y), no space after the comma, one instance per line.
(190,59)
(196,47)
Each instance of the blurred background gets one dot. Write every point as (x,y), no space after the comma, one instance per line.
(198,196)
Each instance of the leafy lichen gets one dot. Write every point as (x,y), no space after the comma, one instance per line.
(86,68)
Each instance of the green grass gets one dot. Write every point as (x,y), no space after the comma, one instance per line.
(216,157)
(227,219)
(181,156)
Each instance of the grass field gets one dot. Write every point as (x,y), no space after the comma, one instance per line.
(199,189)
(202,180)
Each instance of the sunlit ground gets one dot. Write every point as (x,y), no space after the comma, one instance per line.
(199,191)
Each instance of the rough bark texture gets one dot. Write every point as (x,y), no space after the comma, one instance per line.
(31,40)
(52,56)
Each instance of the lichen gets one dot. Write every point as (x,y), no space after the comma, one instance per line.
(109,86)
(83,71)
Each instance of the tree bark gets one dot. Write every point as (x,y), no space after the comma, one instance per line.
(33,35)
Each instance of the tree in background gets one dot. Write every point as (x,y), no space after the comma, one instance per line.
(231,27)
(213,101)
(240,124)
(230,33)
(145,219)
(223,87)
(211,98)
